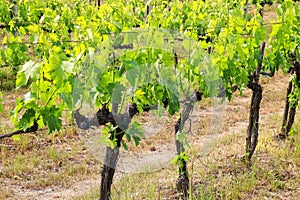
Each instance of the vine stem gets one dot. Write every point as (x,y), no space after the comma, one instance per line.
(30,130)
(183,183)
(252,131)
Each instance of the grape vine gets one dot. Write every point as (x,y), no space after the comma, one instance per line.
(70,52)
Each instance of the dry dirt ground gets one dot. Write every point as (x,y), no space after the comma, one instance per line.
(66,166)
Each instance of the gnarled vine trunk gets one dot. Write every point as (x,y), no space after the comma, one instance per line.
(109,165)
(182,182)
(111,156)
(286,110)
(102,117)
(252,131)
(290,107)
(107,172)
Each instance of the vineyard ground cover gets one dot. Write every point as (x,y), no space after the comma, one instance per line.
(58,166)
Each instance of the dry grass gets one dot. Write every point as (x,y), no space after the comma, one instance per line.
(40,161)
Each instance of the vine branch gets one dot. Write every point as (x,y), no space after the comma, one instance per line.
(32,129)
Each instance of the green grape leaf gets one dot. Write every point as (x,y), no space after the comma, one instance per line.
(33,28)
(260,34)
(125,145)
(117,94)
(135,131)
(136,140)
(132,75)
(51,118)
(106,136)
(29,70)
(128,137)
(27,119)
(175,160)
(68,66)
(53,123)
